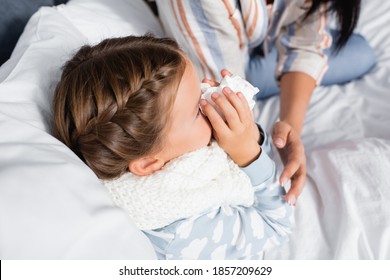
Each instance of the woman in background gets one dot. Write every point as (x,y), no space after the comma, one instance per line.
(280,46)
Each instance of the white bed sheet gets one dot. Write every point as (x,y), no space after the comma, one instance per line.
(53,207)
(344,210)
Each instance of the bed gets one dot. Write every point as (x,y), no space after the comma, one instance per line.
(52,206)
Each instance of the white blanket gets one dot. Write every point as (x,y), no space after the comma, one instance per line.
(344,210)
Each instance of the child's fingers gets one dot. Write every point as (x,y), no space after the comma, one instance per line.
(210,82)
(228,110)
(215,119)
(225,72)
(241,105)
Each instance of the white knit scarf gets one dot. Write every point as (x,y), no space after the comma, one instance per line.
(186,186)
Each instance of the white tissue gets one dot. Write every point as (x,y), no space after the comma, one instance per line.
(236,84)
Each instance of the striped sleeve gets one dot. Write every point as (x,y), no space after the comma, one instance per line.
(255,18)
(213,33)
(301,46)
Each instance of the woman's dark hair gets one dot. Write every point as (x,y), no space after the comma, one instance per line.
(347,13)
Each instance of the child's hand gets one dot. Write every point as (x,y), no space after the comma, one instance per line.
(238,136)
(212,83)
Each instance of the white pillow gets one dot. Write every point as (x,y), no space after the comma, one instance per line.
(52,206)
(101,19)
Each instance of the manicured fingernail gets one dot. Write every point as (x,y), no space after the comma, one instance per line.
(227,90)
(215,95)
(292,200)
(202,102)
(279,142)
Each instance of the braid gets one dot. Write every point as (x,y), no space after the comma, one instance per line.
(113,102)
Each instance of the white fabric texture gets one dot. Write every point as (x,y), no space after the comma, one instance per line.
(179,189)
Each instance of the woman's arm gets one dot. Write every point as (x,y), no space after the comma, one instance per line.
(301,66)
(295,92)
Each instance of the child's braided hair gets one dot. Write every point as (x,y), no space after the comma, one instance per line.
(113,102)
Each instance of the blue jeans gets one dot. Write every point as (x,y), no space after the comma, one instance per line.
(353,61)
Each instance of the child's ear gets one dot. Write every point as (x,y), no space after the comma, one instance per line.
(145,165)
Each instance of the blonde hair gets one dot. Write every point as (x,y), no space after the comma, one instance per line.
(113,102)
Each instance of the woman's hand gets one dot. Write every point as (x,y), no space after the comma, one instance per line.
(238,136)
(292,152)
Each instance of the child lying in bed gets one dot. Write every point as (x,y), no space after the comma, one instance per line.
(130,109)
